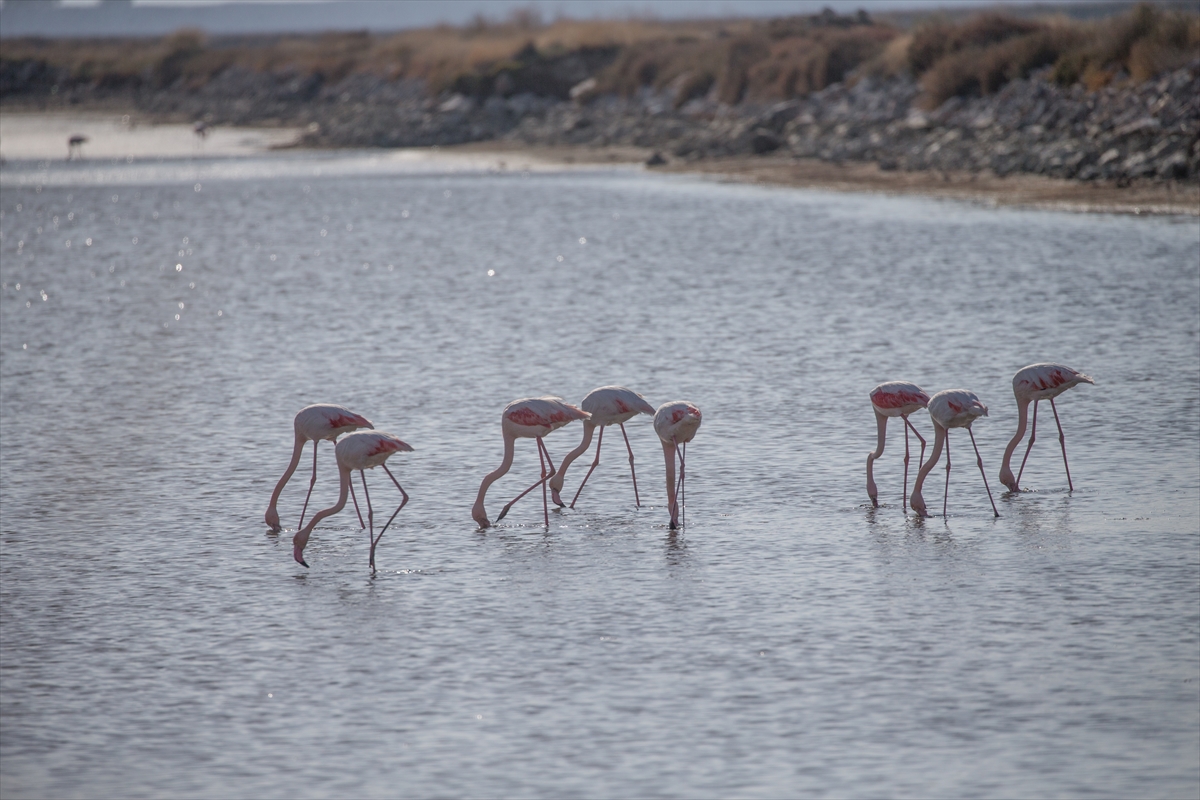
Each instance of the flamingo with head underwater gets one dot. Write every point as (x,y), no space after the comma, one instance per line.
(1034,383)
(531,418)
(895,399)
(676,424)
(360,450)
(952,408)
(313,424)
(608,405)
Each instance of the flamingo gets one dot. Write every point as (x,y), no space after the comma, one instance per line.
(313,423)
(1038,382)
(895,399)
(952,408)
(676,424)
(359,450)
(608,405)
(531,418)
(75,143)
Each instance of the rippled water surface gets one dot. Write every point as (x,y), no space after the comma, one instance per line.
(158,641)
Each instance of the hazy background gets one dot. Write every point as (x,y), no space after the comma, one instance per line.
(156,17)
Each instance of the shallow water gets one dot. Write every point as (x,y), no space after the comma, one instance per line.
(158,641)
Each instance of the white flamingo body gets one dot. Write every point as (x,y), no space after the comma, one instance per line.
(894,399)
(530,418)
(1032,384)
(676,424)
(956,408)
(952,408)
(315,423)
(608,405)
(358,450)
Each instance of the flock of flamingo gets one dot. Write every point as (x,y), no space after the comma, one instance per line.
(675,423)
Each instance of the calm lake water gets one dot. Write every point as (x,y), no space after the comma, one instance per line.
(172,317)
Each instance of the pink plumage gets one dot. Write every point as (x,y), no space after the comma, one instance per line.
(358,450)
(676,424)
(1032,384)
(531,418)
(894,399)
(608,405)
(952,408)
(315,423)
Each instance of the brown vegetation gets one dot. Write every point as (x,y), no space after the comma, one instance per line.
(731,61)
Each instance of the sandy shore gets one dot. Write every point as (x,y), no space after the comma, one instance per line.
(44,136)
(1017,190)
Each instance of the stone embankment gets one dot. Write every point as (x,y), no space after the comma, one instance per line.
(1148,131)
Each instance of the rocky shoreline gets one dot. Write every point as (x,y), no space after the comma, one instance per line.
(1118,134)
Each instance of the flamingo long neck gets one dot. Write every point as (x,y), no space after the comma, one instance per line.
(495,475)
(938,440)
(1022,416)
(669,455)
(588,429)
(881,424)
(343,490)
(297,451)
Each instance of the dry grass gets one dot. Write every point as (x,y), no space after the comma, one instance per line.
(982,54)
(730,60)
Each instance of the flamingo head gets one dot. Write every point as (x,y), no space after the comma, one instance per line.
(272,519)
(298,543)
(480,516)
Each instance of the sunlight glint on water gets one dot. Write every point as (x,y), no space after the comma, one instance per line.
(791,641)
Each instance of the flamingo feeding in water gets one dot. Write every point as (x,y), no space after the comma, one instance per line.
(531,418)
(313,423)
(608,405)
(952,408)
(1038,382)
(895,399)
(676,424)
(359,450)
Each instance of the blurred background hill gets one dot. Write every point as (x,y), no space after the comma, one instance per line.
(1077,90)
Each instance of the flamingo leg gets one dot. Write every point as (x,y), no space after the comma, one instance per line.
(680,489)
(311,483)
(596,463)
(637,501)
(370,517)
(361,524)
(979,461)
(545,503)
(545,477)
(946,496)
(1062,441)
(403,495)
(904,496)
(1032,436)
(920,459)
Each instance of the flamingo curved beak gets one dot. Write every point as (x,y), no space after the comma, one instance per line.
(554,496)
(298,554)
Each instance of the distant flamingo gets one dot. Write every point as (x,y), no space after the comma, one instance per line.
(1038,382)
(360,450)
(895,399)
(75,144)
(531,418)
(608,405)
(676,424)
(313,423)
(953,408)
